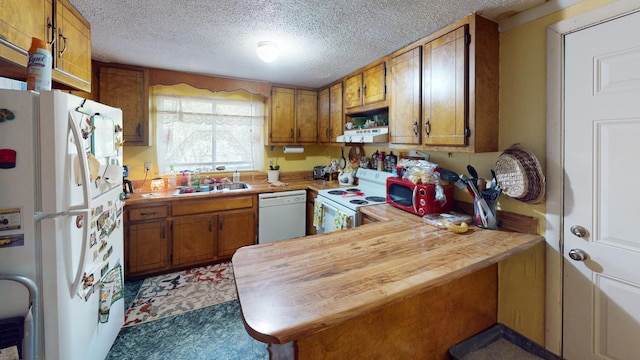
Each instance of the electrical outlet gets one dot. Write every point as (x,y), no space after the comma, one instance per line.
(147,166)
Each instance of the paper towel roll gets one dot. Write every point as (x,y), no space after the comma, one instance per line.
(293,149)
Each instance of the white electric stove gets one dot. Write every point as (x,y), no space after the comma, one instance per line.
(346,200)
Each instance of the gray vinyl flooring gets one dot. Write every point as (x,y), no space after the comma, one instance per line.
(212,333)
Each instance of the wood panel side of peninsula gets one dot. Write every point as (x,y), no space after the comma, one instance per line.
(391,289)
(423,326)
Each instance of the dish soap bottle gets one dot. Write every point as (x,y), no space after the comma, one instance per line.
(184,181)
(173,181)
(195,181)
(236,177)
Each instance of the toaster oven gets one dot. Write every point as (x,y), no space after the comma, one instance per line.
(320,173)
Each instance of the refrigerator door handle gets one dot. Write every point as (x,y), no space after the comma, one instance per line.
(84,164)
(39,215)
(83,255)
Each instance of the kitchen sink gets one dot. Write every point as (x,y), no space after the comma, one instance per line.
(181,191)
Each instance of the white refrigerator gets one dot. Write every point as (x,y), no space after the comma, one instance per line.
(61,207)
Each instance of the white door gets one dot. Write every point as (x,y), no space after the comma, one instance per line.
(601,315)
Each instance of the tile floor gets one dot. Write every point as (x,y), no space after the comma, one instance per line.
(212,333)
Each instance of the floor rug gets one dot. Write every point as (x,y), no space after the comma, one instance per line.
(180,292)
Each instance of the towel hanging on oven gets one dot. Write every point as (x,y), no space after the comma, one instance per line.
(318,214)
(342,221)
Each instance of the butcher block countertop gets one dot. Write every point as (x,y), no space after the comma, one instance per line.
(295,288)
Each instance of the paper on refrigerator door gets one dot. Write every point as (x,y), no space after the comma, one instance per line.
(113,174)
(94,168)
(112,289)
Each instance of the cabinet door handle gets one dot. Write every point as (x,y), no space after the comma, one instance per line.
(50,31)
(64,43)
(139,130)
(291,136)
(416,131)
(359,91)
(328,132)
(427,127)
(299,132)
(364,91)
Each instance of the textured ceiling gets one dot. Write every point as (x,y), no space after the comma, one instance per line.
(320,40)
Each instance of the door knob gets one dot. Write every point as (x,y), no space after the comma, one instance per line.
(578,231)
(578,255)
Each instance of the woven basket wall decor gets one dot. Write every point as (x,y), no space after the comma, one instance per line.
(520,175)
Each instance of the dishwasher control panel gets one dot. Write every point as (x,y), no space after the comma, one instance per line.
(294,199)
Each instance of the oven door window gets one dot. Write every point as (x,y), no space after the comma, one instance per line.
(401,194)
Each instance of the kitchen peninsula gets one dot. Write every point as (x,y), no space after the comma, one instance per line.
(397,288)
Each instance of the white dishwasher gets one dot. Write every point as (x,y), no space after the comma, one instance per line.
(282,215)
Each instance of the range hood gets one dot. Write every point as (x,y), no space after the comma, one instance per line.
(365,136)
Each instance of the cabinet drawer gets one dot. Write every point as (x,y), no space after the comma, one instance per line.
(146,213)
(206,206)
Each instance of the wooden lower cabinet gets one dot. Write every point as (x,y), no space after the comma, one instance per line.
(148,247)
(235,230)
(147,239)
(194,239)
(185,233)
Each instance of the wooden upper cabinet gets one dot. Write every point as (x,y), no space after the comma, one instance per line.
(323,116)
(20,20)
(283,115)
(126,88)
(353,91)
(330,113)
(458,109)
(294,116)
(460,87)
(306,116)
(72,47)
(373,84)
(365,88)
(404,106)
(336,116)
(445,79)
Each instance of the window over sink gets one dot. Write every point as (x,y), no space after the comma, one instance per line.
(199,129)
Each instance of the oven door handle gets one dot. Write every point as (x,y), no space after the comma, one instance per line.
(348,212)
(414,199)
(324,204)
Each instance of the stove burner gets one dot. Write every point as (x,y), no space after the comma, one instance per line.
(375,198)
(352,190)
(336,192)
(359,202)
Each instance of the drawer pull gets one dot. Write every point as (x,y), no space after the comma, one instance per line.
(148,214)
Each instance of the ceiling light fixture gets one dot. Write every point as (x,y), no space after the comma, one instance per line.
(267,51)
